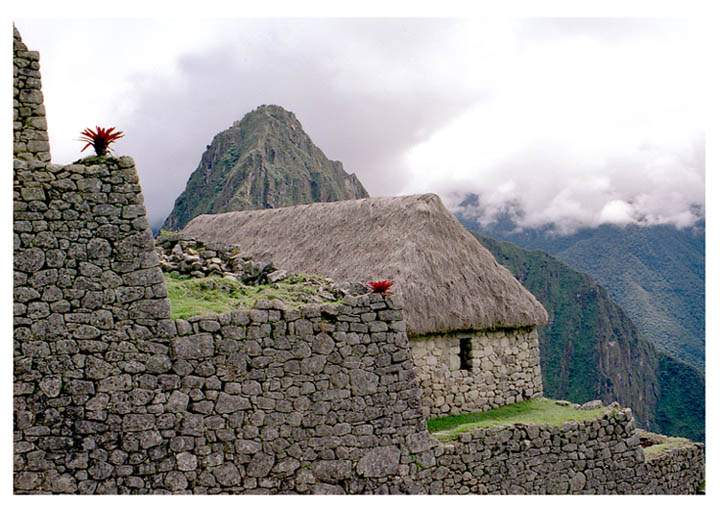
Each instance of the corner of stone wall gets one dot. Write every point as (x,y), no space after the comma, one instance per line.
(30,135)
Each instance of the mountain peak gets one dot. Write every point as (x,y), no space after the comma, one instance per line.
(265,160)
(269,112)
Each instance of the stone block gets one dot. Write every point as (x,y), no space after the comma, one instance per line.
(379,462)
(196,346)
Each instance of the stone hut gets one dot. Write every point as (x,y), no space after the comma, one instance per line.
(472,325)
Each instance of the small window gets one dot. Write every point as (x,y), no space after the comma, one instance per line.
(465,354)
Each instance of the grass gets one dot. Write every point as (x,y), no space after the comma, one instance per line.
(541,411)
(192,297)
(669,443)
(166,234)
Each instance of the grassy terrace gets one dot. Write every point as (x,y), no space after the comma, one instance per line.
(671,443)
(654,445)
(540,411)
(191,297)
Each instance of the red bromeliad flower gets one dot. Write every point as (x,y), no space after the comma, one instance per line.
(381,286)
(100,139)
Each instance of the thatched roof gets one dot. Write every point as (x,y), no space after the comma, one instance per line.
(449,281)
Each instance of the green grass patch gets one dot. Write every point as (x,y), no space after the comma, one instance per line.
(166,234)
(669,443)
(192,297)
(541,411)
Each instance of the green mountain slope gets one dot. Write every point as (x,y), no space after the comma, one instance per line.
(656,274)
(681,406)
(265,160)
(591,349)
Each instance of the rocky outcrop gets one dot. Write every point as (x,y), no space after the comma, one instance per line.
(263,161)
(185,257)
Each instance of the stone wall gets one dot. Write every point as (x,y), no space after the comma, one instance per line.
(29,125)
(282,400)
(503,367)
(196,259)
(601,456)
(112,396)
(89,302)
(676,471)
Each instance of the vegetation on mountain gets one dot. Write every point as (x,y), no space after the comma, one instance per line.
(591,349)
(264,161)
(655,273)
(681,403)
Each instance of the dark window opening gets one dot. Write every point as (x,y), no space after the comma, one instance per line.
(465,354)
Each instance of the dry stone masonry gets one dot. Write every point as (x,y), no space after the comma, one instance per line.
(29,124)
(594,457)
(477,371)
(111,396)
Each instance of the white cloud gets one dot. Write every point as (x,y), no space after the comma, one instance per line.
(580,124)
(617,212)
(563,119)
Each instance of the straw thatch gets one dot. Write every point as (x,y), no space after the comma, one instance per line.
(448,280)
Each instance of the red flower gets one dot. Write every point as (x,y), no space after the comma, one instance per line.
(381,286)
(100,139)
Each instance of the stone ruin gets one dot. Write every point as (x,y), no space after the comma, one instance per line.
(192,258)
(111,396)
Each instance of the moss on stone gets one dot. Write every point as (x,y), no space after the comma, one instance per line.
(541,411)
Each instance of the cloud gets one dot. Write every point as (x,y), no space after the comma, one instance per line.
(585,120)
(617,212)
(575,122)
(364,90)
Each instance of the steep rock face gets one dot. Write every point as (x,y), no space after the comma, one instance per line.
(263,161)
(589,349)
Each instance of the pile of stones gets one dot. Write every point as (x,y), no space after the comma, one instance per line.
(196,259)
(190,257)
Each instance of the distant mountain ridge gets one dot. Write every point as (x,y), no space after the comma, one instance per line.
(591,349)
(655,273)
(265,160)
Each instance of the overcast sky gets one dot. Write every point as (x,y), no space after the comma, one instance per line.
(576,122)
